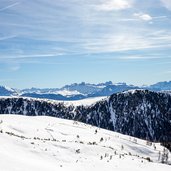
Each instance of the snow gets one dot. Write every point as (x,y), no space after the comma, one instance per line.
(9,89)
(113,115)
(67,92)
(61,92)
(85,102)
(47,143)
(132,91)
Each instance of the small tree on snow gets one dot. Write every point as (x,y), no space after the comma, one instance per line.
(164,156)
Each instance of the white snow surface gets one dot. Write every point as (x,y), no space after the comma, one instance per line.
(52,144)
(85,102)
(67,92)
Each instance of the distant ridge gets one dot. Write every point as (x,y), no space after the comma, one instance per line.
(81,91)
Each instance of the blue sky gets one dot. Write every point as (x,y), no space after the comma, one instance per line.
(45,43)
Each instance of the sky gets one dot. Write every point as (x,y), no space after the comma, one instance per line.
(50,43)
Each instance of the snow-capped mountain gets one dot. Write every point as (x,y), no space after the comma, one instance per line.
(81,91)
(139,113)
(6,91)
(46,143)
(84,88)
(114,88)
(54,96)
(161,86)
(75,91)
(69,92)
(101,89)
(39,90)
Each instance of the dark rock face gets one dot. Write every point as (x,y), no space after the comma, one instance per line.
(139,113)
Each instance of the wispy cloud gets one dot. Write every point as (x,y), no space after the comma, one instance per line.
(80,27)
(40,34)
(136,57)
(166,3)
(114,5)
(31,56)
(126,42)
(145,17)
(7,37)
(9,6)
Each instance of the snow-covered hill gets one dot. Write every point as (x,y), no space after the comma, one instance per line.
(51,144)
(139,113)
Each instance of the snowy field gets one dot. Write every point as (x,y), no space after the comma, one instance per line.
(43,143)
(84,102)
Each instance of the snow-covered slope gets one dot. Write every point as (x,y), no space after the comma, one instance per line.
(51,144)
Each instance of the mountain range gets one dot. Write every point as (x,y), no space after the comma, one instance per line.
(81,91)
